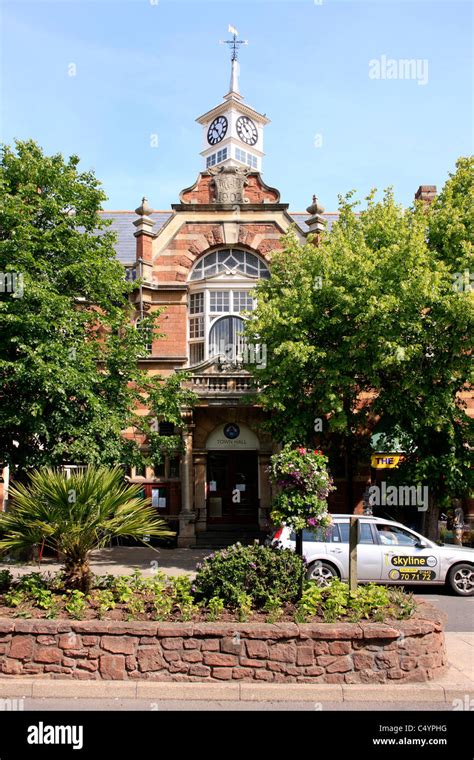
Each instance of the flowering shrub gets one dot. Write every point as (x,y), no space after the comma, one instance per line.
(304,484)
(261,572)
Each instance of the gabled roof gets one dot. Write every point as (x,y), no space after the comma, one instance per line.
(122,225)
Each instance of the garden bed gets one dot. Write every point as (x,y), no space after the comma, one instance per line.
(364,652)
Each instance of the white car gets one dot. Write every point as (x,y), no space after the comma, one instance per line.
(387,552)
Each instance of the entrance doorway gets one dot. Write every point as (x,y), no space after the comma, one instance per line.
(232,487)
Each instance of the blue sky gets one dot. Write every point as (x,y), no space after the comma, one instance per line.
(146,67)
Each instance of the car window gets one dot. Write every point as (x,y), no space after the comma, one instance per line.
(392,535)
(365,533)
(323,535)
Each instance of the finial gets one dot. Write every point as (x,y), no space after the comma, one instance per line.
(144,209)
(315,207)
(235,44)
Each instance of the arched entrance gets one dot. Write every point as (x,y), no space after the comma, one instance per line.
(232,488)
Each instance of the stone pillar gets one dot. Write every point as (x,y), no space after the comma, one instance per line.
(200,478)
(187,516)
(144,237)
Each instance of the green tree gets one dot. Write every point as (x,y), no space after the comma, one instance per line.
(73,516)
(70,378)
(366,325)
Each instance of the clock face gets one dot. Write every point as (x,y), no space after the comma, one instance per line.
(247,130)
(217,130)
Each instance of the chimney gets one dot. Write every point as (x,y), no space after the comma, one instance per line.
(426,194)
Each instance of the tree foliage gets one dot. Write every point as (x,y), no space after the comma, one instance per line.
(369,325)
(70,378)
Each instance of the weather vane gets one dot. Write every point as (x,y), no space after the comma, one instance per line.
(234,42)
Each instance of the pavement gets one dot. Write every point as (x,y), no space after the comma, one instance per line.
(122,560)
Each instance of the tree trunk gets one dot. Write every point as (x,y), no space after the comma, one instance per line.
(77,575)
(430,520)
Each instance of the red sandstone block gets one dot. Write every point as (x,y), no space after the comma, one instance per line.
(89,641)
(179,667)
(231,645)
(90,665)
(283,652)
(334,678)
(379,631)
(12,667)
(320,647)
(362,661)
(171,655)
(223,674)
(210,645)
(342,665)
(263,675)
(199,670)
(21,647)
(216,658)
(6,626)
(46,639)
(249,663)
(326,660)
(119,644)
(131,662)
(174,629)
(257,649)
(192,656)
(407,663)
(70,641)
(340,647)
(175,643)
(112,666)
(191,644)
(304,656)
(150,659)
(240,673)
(314,670)
(48,654)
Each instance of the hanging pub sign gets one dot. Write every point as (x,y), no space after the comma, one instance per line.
(385,461)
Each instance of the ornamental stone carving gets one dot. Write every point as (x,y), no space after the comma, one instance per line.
(228,183)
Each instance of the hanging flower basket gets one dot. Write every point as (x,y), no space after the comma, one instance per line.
(304,484)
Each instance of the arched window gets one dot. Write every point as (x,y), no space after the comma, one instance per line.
(226,339)
(230,261)
(221,286)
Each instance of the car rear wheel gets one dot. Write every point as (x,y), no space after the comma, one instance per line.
(461,579)
(321,573)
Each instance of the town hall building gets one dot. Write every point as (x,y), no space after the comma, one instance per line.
(200,263)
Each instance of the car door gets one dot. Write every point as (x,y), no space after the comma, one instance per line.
(403,561)
(369,556)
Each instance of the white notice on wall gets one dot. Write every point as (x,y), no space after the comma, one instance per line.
(162,503)
(212,485)
(240,487)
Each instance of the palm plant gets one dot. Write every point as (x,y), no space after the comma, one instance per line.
(75,515)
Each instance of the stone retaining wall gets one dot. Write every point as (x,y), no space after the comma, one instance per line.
(365,652)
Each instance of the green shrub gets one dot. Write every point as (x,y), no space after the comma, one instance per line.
(262,572)
(216,608)
(368,602)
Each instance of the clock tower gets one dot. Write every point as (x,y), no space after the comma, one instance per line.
(233,131)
